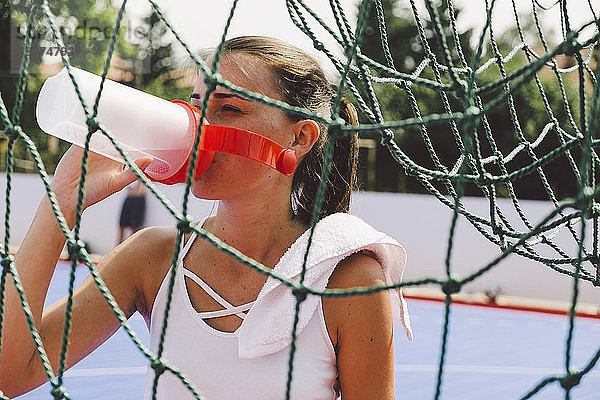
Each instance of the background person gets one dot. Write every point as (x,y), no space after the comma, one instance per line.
(133,210)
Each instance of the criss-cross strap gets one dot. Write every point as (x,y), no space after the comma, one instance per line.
(230,309)
(185,247)
(239,311)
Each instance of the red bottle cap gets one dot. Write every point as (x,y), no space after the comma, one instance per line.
(230,140)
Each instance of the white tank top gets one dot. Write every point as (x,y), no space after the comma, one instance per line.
(209,357)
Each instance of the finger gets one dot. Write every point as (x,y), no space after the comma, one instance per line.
(72,155)
(143,162)
(76,150)
(127,176)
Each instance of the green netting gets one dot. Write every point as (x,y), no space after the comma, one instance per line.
(452,76)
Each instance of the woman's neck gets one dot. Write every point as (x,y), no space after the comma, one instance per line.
(262,231)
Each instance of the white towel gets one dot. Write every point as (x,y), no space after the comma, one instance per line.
(268,326)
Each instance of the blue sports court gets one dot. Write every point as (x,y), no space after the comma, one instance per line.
(491,354)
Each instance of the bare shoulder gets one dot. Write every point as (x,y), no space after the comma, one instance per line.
(145,258)
(145,248)
(152,239)
(357,270)
(344,316)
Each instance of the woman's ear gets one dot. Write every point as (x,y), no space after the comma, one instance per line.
(306,134)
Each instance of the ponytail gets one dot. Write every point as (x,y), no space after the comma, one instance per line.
(342,173)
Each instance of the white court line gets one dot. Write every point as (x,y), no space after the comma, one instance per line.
(486,369)
(76,372)
(427,368)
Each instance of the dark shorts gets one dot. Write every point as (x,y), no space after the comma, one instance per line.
(132,213)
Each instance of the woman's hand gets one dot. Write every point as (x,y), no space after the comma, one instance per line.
(35,262)
(104,177)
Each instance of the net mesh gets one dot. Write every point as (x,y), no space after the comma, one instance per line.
(453,77)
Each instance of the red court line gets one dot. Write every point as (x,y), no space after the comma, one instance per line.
(578,314)
(513,307)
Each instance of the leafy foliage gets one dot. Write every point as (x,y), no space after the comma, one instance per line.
(408,52)
(143,58)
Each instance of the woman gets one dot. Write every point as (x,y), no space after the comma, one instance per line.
(344,345)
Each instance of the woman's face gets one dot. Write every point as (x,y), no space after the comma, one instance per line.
(229,175)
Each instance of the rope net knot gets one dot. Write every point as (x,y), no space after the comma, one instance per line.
(451,287)
(59,392)
(93,124)
(13,132)
(335,129)
(300,293)
(585,201)
(75,249)
(571,380)
(185,225)
(158,365)
(572,47)
(8,262)
(211,81)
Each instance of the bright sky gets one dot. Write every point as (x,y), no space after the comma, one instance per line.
(201,22)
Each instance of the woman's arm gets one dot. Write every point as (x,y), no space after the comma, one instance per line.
(361,329)
(93,322)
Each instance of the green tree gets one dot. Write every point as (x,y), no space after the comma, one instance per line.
(145,61)
(86,29)
(157,67)
(531,115)
(156,47)
(408,52)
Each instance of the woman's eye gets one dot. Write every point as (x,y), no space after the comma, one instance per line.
(228,107)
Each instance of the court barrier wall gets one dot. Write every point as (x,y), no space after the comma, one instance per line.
(419,222)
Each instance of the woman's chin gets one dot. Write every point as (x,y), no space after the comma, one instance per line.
(202,193)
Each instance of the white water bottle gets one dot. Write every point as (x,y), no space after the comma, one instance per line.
(143,125)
